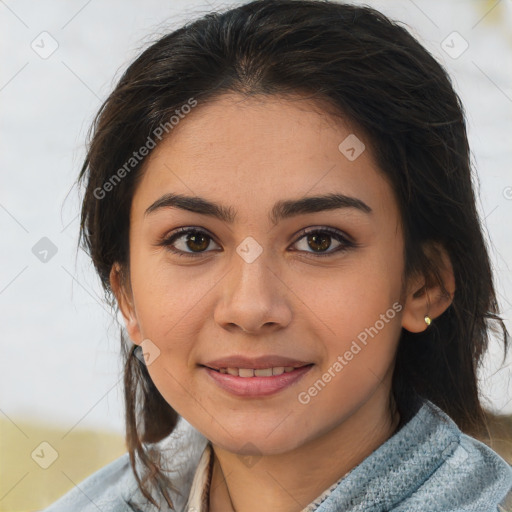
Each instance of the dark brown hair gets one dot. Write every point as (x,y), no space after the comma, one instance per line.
(361,66)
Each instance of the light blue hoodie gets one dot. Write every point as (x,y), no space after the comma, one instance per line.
(428,465)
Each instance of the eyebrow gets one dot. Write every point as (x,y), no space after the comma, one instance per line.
(281,210)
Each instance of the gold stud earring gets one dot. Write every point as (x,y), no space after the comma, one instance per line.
(428,320)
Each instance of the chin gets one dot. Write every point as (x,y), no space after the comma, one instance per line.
(256,444)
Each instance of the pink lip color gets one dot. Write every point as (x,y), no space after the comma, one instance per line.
(256,386)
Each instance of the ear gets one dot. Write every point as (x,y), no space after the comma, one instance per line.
(122,291)
(421,300)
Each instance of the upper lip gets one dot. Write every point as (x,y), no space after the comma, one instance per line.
(270,361)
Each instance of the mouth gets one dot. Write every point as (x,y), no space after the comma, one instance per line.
(256,372)
(256,382)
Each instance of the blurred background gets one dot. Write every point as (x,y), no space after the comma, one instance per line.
(61,406)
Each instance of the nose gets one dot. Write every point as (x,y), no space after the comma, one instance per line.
(253,298)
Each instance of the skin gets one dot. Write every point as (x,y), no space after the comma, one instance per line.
(247,154)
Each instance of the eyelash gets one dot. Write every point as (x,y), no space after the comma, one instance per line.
(338,236)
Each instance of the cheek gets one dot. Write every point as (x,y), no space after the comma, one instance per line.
(168,298)
(358,358)
(175,384)
(351,296)
(357,317)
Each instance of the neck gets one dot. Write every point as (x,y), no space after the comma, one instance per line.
(288,482)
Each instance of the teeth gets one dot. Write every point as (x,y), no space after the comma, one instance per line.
(263,372)
(260,372)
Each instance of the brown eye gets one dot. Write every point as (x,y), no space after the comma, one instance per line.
(319,240)
(195,242)
(190,242)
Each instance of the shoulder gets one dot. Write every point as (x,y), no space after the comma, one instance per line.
(467,474)
(428,465)
(103,490)
(114,488)
(475,474)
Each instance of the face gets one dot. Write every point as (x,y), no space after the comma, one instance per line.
(319,284)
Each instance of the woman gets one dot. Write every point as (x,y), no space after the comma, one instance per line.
(279,202)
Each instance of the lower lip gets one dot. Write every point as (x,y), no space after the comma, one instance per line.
(257,386)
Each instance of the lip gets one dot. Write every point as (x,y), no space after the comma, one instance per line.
(255,363)
(256,386)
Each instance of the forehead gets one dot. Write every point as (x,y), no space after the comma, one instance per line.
(256,151)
